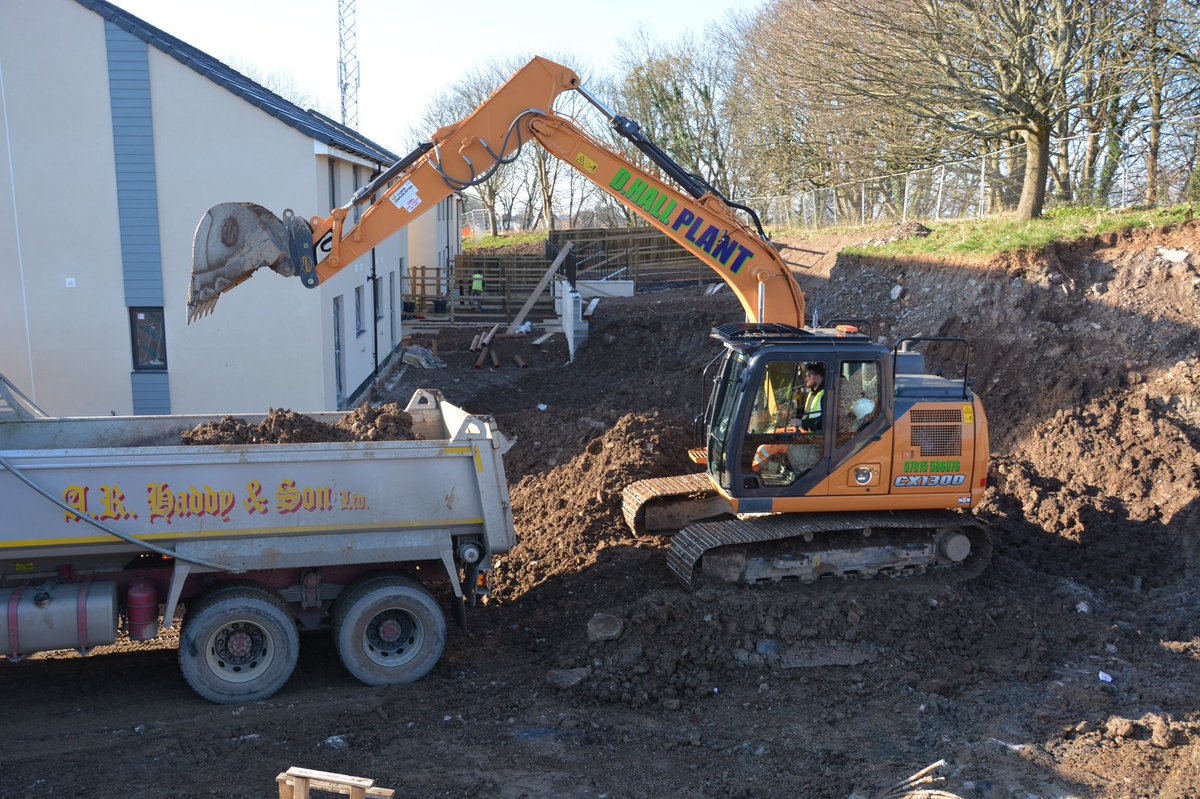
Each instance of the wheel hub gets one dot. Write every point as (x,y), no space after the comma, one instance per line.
(238,645)
(389,628)
(239,651)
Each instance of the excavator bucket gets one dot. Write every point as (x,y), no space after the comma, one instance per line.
(233,240)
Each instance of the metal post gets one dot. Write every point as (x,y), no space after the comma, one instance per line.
(937,214)
(904,210)
(982,184)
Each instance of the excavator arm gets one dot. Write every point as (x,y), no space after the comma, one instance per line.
(233,240)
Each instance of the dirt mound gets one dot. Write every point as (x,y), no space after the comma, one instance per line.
(387,422)
(1119,477)
(565,517)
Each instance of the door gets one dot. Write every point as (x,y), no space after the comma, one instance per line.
(784,449)
(861,459)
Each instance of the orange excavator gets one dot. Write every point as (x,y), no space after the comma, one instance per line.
(825,453)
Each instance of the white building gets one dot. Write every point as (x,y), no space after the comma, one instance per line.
(115,138)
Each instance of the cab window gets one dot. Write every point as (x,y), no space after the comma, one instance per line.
(858,398)
(784,435)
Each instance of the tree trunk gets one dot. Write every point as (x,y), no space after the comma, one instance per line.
(1152,151)
(1064,193)
(1037,162)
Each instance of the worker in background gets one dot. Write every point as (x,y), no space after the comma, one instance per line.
(477,290)
(814,381)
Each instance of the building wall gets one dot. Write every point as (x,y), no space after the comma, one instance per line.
(67,348)
(366,341)
(262,346)
(269,342)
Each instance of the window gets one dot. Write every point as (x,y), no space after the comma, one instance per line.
(858,398)
(149,337)
(360,326)
(354,177)
(785,438)
(392,305)
(377,297)
(333,194)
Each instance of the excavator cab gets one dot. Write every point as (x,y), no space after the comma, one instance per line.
(790,406)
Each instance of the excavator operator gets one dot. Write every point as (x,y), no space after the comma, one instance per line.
(814,381)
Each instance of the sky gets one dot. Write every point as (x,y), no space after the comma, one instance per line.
(409,50)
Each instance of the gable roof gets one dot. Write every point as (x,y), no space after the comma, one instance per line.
(309,122)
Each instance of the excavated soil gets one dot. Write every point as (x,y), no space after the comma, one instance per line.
(386,422)
(1067,669)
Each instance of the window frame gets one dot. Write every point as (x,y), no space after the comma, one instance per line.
(138,365)
(360,325)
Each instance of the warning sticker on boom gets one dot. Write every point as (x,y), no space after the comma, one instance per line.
(406,197)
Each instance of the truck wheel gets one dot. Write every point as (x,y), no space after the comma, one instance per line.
(388,630)
(238,645)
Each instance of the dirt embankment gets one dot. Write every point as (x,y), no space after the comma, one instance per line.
(1085,358)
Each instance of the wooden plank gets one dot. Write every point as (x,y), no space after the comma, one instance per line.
(591,309)
(297,782)
(542,339)
(541,287)
(329,776)
(287,788)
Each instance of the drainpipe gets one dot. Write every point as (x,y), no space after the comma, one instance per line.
(374,323)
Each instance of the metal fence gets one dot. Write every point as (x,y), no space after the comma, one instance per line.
(1097,169)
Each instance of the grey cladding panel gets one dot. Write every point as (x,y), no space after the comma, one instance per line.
(137,193)
(151,393)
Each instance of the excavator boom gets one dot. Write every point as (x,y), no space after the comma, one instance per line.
(233,240)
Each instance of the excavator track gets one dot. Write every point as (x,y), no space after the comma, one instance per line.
(675,501)
(809,546)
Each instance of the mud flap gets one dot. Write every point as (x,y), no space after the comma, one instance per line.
(458,611)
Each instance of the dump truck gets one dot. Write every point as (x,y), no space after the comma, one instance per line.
(107,518)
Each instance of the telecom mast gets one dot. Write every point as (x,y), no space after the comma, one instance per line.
(348,63)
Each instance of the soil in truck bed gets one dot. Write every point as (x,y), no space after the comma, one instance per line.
(386,422)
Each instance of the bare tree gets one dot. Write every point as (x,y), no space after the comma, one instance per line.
(456,103)
(986,68)
(285,85)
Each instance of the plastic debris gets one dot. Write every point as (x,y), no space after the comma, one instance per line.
(1105,677)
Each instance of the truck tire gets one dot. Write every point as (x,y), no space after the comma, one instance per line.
(238,644)
(388,630)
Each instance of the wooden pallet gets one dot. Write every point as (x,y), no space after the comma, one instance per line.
(296,783)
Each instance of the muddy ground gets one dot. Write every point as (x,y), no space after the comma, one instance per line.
(1069,668)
